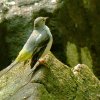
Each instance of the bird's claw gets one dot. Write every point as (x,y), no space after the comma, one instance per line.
(41,61)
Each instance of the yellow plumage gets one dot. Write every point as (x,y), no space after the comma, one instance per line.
(23,55)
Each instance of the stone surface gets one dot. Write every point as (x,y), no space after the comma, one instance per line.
(51,81)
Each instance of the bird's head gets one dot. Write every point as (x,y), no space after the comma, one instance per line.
(39,22)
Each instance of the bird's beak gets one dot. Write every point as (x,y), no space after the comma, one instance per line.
(46,18)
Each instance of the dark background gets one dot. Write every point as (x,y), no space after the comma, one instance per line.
(75,26)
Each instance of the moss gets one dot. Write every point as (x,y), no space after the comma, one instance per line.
(45,95)
(51,81)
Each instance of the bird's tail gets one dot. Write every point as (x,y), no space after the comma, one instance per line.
(8,68)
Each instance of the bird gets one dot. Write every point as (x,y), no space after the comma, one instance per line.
(38,44)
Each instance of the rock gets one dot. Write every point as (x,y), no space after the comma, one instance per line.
(51,81)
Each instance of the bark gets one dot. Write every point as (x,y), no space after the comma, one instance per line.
(52,80)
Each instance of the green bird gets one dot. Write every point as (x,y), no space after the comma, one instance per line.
(37,45)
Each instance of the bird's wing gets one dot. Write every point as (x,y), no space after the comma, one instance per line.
(33,45)
(41,41)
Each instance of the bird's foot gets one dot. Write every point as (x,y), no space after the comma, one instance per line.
(41,61)
(34,68)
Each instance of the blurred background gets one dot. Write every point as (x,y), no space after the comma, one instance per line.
(75,26)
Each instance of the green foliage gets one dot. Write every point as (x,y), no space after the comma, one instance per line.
(86,57)
(72,54)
